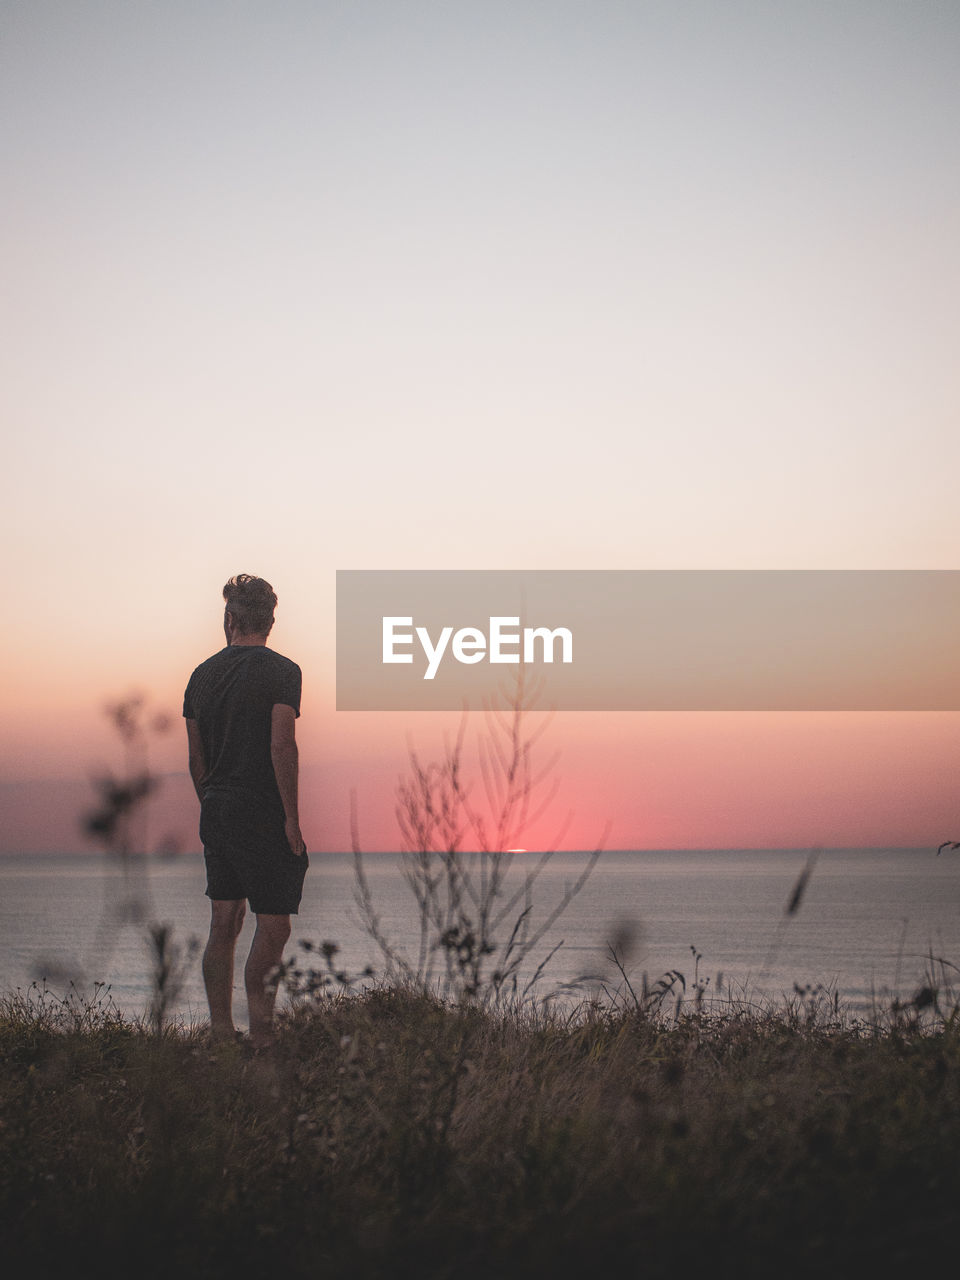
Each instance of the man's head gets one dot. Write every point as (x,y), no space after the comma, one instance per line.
(250,603)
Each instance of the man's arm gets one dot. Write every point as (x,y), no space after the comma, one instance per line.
(285,757)
(198,761)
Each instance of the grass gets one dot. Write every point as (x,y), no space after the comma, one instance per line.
(654,1130)
(391,1134)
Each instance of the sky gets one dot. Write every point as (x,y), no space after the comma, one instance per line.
(298,287)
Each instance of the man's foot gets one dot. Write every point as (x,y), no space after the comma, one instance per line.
(262,1044)
(225,1035)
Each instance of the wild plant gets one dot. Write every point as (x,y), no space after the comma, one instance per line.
(791,909)
(665,998)
(305,982)
(72,1010)
(120,824)
(171,962)
(478,933)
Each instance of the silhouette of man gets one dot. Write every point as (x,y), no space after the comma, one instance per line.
(241,707)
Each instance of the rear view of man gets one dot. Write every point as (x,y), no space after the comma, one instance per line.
(241,707)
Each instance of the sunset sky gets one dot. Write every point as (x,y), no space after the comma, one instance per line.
(306,286)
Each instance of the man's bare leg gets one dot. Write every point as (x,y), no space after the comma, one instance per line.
(226,921)
(266,953)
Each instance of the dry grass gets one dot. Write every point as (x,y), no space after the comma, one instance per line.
(391,1134)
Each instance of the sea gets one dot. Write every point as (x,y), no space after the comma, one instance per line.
(859,927)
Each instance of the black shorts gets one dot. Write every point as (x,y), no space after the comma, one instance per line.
(247,856)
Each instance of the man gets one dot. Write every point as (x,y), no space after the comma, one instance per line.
(241,707)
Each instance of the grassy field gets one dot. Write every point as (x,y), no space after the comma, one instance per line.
(389,1134)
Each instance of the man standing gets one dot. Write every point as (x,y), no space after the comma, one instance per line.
(241,707)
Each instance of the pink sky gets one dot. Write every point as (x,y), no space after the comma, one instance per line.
(660,781)
(623,287)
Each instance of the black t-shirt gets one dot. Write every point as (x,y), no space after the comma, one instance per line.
(231,696)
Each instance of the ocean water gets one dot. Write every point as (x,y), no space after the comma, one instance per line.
(868,924)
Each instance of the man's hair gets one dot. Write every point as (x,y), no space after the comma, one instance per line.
(252,602)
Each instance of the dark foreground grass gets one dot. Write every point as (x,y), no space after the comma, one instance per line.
(390,1135)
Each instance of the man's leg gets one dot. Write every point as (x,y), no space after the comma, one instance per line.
(226,921)
(266,953)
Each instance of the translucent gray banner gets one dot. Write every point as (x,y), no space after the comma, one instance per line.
(649,640)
